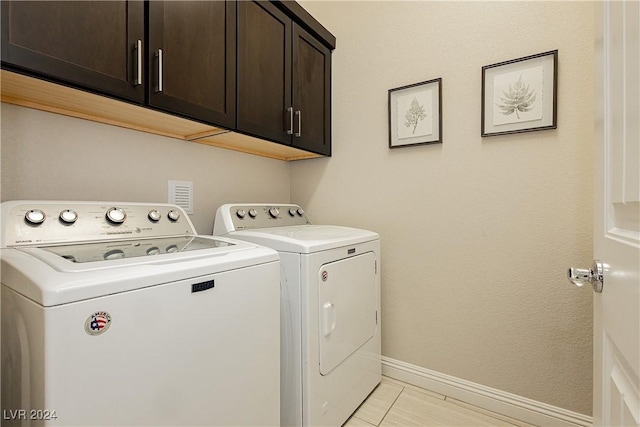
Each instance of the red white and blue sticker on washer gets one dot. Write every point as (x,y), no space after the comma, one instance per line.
(97,323)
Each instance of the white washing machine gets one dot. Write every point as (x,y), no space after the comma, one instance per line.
(330,331)
(119,314)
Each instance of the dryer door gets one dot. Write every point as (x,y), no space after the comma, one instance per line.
(347,308)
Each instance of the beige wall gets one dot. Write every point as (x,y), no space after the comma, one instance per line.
(477,233)
(48,156)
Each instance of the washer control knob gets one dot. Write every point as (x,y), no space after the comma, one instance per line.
(116,215)
(292,212)
(300,211)
(240,213)
(174,215)
(274,212)
(253,213)
(114,254)
(171,249)
(35,217)
(154,215)
(68,216)
(153,251)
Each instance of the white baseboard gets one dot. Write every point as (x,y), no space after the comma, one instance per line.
(512,405)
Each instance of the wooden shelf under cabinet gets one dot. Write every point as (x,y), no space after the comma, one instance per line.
(42,95)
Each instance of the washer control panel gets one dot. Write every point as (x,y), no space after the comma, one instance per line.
(246,216)
(49,222)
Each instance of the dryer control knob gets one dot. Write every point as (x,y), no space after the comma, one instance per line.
(116,215)
(274,212)
(253,213)
(68,216)
(300,211)
(35,217)
(154,215)
(174,215)
(240,213)
(292,212)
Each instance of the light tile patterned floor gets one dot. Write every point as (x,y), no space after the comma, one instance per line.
(394,403)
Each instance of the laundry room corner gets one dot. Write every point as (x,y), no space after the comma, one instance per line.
(476,232)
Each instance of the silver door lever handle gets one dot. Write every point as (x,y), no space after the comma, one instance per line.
(582,276)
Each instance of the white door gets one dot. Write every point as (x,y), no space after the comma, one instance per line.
(617,215)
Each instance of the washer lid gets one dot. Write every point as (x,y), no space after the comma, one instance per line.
(95,252)
(306,238)
(66,273)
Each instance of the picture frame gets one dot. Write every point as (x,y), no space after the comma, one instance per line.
(415,114)
(520,95)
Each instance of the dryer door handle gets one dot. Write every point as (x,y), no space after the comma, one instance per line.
(328,318)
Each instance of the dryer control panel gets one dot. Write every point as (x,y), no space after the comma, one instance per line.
(31,222)
(242,216)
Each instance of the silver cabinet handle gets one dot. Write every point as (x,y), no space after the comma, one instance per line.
(584,276)
(299,116)
(159,56)
(138,78)
(290,130)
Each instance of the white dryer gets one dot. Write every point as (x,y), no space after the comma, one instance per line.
(330,321)
(119,314)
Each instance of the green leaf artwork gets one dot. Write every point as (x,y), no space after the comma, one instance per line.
(414,114)
(518,98)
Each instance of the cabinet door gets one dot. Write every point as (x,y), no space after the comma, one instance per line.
(192,59)
(264,71)
(311,93)
(91,45)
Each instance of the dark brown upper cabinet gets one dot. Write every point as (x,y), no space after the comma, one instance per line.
(192,62)
(311,93)
(284,79)
(259,68)
(93,45)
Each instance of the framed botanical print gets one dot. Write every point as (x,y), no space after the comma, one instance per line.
(520,95)
(415,114)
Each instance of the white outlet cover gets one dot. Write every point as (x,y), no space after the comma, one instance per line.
(181,194)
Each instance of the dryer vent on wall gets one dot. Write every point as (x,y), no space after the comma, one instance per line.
(181,194)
